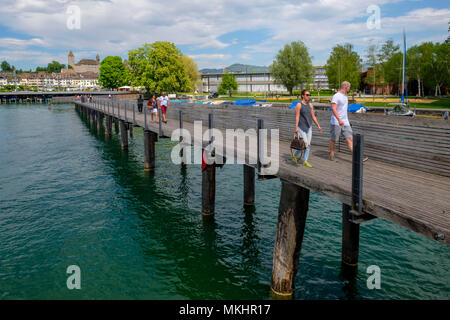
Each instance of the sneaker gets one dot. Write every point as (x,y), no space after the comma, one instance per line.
(307,164)
(332,157)
(294,159)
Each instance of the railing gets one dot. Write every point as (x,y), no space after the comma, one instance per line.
(421,144)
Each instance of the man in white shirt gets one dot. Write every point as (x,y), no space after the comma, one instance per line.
(339,123)
(164,103)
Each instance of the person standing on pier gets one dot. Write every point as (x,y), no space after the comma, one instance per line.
(140,103)
(153,107)
(339,123)
(164,103)
(304,117)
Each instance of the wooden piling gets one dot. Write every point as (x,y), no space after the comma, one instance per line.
(249,186)
(99,120)
(208,190)
(288,243)
(123,135)
(130,128)
(350,239)
(116,125)
(149,150)
(108,131)
(350,229)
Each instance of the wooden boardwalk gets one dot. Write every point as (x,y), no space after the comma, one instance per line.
(397,187)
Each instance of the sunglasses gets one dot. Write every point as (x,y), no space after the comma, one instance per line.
(308,95)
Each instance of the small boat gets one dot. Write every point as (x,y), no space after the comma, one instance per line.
(401,109)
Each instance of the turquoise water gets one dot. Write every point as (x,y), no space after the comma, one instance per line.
(68,197)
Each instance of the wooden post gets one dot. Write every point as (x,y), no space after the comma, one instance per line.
(123,135)
(149,150)
(108,131)
(288,243)
(130,127)
(116,125)
(183,160)
(209,183)
(350,239)
(208,190)
(249,186)
(350,230)
(99,120)
(92,117)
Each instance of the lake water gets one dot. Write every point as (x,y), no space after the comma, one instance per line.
(69,197)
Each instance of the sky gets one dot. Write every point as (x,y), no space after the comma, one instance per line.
(215,33)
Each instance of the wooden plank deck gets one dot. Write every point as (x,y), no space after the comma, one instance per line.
(414,199)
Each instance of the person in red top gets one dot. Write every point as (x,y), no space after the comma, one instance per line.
(164,103)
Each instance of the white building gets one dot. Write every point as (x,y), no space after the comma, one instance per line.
(259,81)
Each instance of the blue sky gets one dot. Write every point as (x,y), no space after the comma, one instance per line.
(215,33)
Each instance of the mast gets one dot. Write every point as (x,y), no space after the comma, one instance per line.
(404,86)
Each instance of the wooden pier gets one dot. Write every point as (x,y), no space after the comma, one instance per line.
(406,180)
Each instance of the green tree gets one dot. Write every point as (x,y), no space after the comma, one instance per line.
(385,54)
(415,66)
(292,66)
(374,78)
(55,66)
(158,67)
(191,69)
(344,64)
(228,84)
(112,72)
(6,66)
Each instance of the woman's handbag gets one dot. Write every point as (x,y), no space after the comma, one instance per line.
(297,143)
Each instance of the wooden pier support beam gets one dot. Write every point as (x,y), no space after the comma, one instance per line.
(350,229)
(149,150)
(92,118)
(116,125)
(99,120)
(350,239)
(130,128)
(249,186)
(108,132)
(288,243)
(208,190)
(123,135)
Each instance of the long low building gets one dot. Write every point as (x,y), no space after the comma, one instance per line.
(258,82)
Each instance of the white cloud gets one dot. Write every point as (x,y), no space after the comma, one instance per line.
(114,27)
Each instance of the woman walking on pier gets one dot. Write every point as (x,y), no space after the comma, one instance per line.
(153,107)
(304,117)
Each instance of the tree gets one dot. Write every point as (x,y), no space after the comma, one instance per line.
(374,78)
(158,67)
(415,66)
(112,72)
(191,69)
(228,84)
(55,66)
(344,64)
(385,54)
(6,66)
(292,66)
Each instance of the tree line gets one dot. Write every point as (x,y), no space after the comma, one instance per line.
(427,64)
(53,66)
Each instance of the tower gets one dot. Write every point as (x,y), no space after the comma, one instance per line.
(97,58)
(70,60)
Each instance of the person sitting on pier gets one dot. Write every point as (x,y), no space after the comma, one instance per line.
(152,105)
(339,123)
(304,117)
